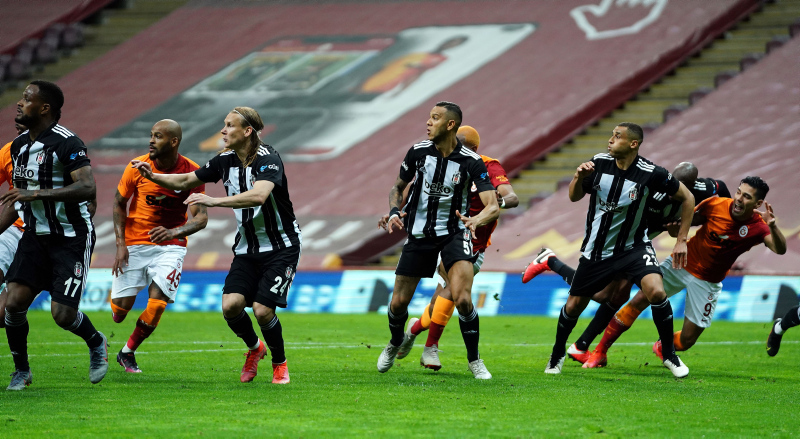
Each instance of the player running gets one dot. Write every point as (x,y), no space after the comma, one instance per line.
(267,246)
(728,228)
(151,240)
(443,170)
(438,312)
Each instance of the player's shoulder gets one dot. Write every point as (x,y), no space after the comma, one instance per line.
(466,152)
(646,165)
(187,164)
(603,156)
(422,145)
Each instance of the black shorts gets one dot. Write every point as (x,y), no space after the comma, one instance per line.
(264,278)
(421,255)
(54,263)
(593,276)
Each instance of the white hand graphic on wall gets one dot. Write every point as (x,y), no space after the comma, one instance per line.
(581,14)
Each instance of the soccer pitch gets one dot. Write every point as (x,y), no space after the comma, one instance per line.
(190,385)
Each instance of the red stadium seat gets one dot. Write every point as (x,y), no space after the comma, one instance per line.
(749,60)
(698,94)
(723,77)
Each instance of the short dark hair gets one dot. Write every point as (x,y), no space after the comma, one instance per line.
(52,95)
(634,131)
(758,184)
(453,110)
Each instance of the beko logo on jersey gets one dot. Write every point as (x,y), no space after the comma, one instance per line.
(609,207)
(437,190)
(23,172)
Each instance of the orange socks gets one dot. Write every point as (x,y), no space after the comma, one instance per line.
(676,340)
(118,311)
(425,318)
(627,315)
(152,314)
(442,311)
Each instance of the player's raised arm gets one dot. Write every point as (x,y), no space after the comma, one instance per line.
(775,241)
(181,182)
(687,212)
(576,190)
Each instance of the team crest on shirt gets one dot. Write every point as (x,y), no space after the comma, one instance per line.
(743,231)
(633,194)
(473,188)
(40,158)
(456,178)
(252,180)
(288,272)
(78,269)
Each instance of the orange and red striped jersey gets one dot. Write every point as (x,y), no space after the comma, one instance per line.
(497,176)
(152,205)
(721,239)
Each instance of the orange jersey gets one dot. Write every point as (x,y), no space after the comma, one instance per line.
(7,174)
(497,176)
(152,205)
(721,239)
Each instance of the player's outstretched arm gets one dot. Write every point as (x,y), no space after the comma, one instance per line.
(775,241)
(119,217)
(169,181)
(252,198)
(687,212)
(83,188)
(198,222)
(576,191)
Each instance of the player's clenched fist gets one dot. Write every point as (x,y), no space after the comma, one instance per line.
(584,169)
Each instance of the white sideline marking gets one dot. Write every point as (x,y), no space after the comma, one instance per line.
(320,345)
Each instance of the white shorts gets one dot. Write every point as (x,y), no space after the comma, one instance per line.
(8,247)
(161,264)
(701,296)
(476,268)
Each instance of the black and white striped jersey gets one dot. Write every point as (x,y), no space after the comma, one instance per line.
(271,226)
(46,163)
(661,208)
(616,221)
(441,187)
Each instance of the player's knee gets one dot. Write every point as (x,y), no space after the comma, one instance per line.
(263,313)
(64,316)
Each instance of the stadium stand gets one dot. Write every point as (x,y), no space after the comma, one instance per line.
(747,127)
(519,97)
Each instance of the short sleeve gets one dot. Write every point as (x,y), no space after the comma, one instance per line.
(127,184)
(409,166)
(73,154)
(268,167)
(211,172)
(480,176)
(705,206)
(497,174)
(6,167)
(663,181)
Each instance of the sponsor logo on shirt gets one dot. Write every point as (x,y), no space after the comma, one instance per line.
(73,156)
(437,189)
(23,172)
(404,165)
(611,207)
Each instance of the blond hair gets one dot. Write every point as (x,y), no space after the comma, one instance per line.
(250,118)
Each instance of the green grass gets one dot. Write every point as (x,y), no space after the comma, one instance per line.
(190,385)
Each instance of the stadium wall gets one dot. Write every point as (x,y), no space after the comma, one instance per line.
(743,298)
